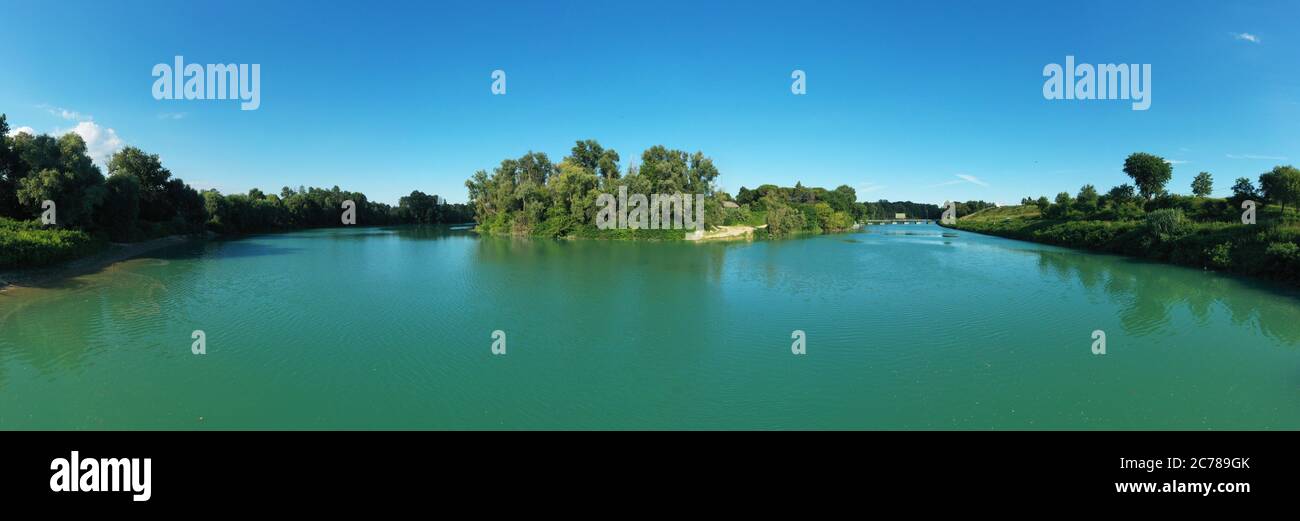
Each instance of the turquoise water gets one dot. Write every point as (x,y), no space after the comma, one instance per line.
(392,328)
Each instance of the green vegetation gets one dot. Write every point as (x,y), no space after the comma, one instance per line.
(1196,231)
(27,243)
(140,200)
(533,196)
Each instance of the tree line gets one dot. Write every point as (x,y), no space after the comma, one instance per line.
(1149,192)
(140,199)
(1145,219)
(531,195)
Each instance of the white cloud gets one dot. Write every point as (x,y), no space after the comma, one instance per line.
(62,113)
(101,143)
(1178,161)
(22,130)
(962,178)
(1256,156)
(1246,37)
(865,188)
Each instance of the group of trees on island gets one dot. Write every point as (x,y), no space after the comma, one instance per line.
(140,199)
(531,195)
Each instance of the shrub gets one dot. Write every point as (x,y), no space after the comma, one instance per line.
(1220,255)
(27,244)
(1166,224)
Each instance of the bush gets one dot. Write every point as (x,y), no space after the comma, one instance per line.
(782,220)
(1166,225)
(26,244)
(1220,255)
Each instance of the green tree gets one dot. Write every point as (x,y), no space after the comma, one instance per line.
(1242,190)
(63,174)
(1149,172)
(1087,199)
(1281,185)
(120,212)
(147,169)
(1203,184)
(75,201)
(782,219)
(1043,205)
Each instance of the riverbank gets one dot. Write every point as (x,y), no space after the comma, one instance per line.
(110,254)
(1270,251)
(727,233)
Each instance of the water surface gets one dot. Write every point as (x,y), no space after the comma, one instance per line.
(391,328)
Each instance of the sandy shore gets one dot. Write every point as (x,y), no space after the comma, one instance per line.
(116,252)
(728,233)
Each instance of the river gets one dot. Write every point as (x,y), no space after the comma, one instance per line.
(904,326)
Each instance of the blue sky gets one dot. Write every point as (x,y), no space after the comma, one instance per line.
(926,101)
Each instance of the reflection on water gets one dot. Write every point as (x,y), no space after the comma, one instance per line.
(1147,293)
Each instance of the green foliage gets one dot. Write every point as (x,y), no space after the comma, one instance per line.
(1088,200)
(120,213)
(1281,186)
(1242,190)
(1060,209)
(1043,204)
(1149,172)
(1166,224)
(1203,184)
(532,196)
(1219,256)
(141,200)
(782,219)
(1270,251)
(25,244)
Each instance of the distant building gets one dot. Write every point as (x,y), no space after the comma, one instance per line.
(900,216)
(730,204)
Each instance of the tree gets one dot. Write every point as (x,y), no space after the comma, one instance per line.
(1149,172)
(1087,199)
(1061,209)
(74,201)
(148,171)
(9,170)
(121,209)
(63,174)
(587,154)
(1203,184)
(607,166)
(782,219)
(419,208)
(1242,190)
(1281,185)
(1121,194)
